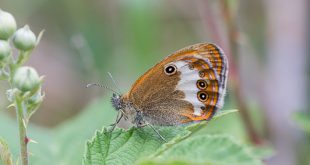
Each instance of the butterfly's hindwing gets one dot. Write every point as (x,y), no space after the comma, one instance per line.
(202,108)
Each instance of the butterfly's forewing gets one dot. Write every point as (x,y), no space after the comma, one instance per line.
(194,92)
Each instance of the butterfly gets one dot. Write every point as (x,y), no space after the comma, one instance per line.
(187,86)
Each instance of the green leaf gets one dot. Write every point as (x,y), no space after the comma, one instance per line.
(303,121)
(206,149)
(262,152)
(126,147)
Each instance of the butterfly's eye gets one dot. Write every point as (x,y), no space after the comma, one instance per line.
(202,96)
(170,69)
(202,84)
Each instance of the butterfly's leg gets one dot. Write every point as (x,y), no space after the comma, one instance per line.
(123,113)
(156,131)
(118,119)
(140,122)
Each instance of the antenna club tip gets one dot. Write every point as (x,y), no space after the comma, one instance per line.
(88,85)
(92,84)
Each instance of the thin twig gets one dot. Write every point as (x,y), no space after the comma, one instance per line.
(236,85)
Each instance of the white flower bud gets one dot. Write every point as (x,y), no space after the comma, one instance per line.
(5,50)
(24,39)
(7,25)
(26,79)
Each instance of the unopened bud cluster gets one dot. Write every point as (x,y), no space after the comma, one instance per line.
(25,94)
(24,78)
(25,81)
(23,39)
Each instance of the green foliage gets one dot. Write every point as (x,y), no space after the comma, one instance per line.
(262,152)
(63,144)
(303,120)
(143,146)
(207,149)
(123,147)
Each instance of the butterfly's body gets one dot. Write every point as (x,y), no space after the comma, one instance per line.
(189,85)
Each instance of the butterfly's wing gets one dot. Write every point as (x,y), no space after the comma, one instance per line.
(194,92)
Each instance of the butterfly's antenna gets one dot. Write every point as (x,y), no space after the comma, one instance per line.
(114,82)
(102,86)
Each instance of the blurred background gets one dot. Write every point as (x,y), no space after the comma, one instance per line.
(266,43)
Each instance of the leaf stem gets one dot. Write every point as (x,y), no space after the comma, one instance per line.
(22,131)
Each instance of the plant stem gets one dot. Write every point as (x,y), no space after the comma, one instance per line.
(22,57)
(233,52)
(22,132)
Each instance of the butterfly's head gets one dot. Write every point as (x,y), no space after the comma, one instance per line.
(116,101)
